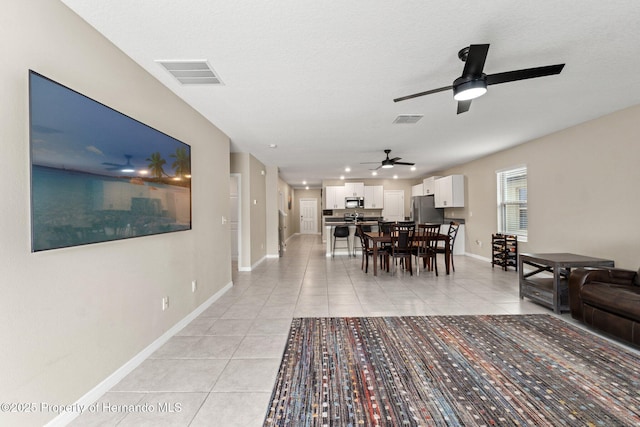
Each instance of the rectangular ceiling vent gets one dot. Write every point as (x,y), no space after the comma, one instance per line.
(406,119)
(195,72)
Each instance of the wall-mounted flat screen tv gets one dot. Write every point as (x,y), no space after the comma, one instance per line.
(98,175)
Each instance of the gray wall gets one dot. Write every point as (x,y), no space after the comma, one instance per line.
(253,201)
(71,317)
(582,189)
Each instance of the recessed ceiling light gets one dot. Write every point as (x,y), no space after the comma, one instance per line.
(374,173)
(413,168)
(273,145)
(347,169)
(306,188)
(341,176)
(395,176)
(304,182)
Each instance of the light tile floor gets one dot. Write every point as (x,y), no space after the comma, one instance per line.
(220,369)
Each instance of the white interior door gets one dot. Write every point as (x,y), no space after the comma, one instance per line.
(308,216)
(393,205)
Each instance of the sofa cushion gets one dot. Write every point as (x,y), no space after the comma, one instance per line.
(617,299)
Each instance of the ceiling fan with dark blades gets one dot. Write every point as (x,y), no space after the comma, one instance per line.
(389,163)
(473,82)
(126,167)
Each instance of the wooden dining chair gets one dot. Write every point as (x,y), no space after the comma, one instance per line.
(452,232)
(367,251)
(402,245)
(384,227)
(425,245)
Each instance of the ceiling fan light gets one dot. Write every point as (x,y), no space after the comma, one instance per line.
(387,166)
(469,90)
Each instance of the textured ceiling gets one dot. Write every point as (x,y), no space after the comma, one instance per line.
(318,78)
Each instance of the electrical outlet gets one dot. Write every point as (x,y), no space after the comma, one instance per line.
(194,285)
(165,303)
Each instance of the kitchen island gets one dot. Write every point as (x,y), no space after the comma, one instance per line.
(330,225)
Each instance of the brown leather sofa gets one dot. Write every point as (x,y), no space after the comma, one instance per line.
(607,299)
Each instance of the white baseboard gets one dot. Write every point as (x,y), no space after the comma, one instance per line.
(98,391)
(481,258)
(253,266)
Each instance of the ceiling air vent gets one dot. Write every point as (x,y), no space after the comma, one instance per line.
(196,72)
(405,119)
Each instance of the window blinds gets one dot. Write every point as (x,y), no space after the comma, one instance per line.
(512,201)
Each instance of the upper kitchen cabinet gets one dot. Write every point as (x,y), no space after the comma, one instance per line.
(429,185)
(334,197)
(450,191)
(373,197)
(354,189)
(417,190)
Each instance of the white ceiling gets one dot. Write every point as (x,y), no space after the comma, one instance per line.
(317,78)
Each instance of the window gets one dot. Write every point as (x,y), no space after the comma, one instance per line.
(512,202)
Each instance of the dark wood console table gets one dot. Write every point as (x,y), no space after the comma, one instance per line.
(552,292)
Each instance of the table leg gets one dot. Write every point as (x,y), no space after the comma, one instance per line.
(520,276)
(556,289)
(375,257)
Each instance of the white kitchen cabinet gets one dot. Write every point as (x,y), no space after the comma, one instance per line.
(354,189)
(429,185)
(417,190)
(334,197)
(450,191)
(373,197)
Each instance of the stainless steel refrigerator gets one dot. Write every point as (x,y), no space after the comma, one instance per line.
(423,210)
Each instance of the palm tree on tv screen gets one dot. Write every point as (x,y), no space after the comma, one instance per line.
(156,163)
(182,162)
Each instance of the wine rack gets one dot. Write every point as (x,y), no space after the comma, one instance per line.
(504,249)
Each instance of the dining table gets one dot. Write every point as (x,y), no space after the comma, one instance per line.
(376,239)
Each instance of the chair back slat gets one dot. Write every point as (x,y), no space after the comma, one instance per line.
(453,232)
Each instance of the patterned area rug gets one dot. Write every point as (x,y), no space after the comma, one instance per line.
(525,370)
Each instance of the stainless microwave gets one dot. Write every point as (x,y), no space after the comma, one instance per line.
(353,202)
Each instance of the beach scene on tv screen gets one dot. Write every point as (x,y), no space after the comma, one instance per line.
(99,175)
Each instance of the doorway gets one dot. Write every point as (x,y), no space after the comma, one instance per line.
(308,216)
(234,216)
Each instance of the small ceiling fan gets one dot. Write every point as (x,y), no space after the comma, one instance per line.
(127,167)
(389,163)
(473,82)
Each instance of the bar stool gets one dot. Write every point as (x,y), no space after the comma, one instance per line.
(340,232)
